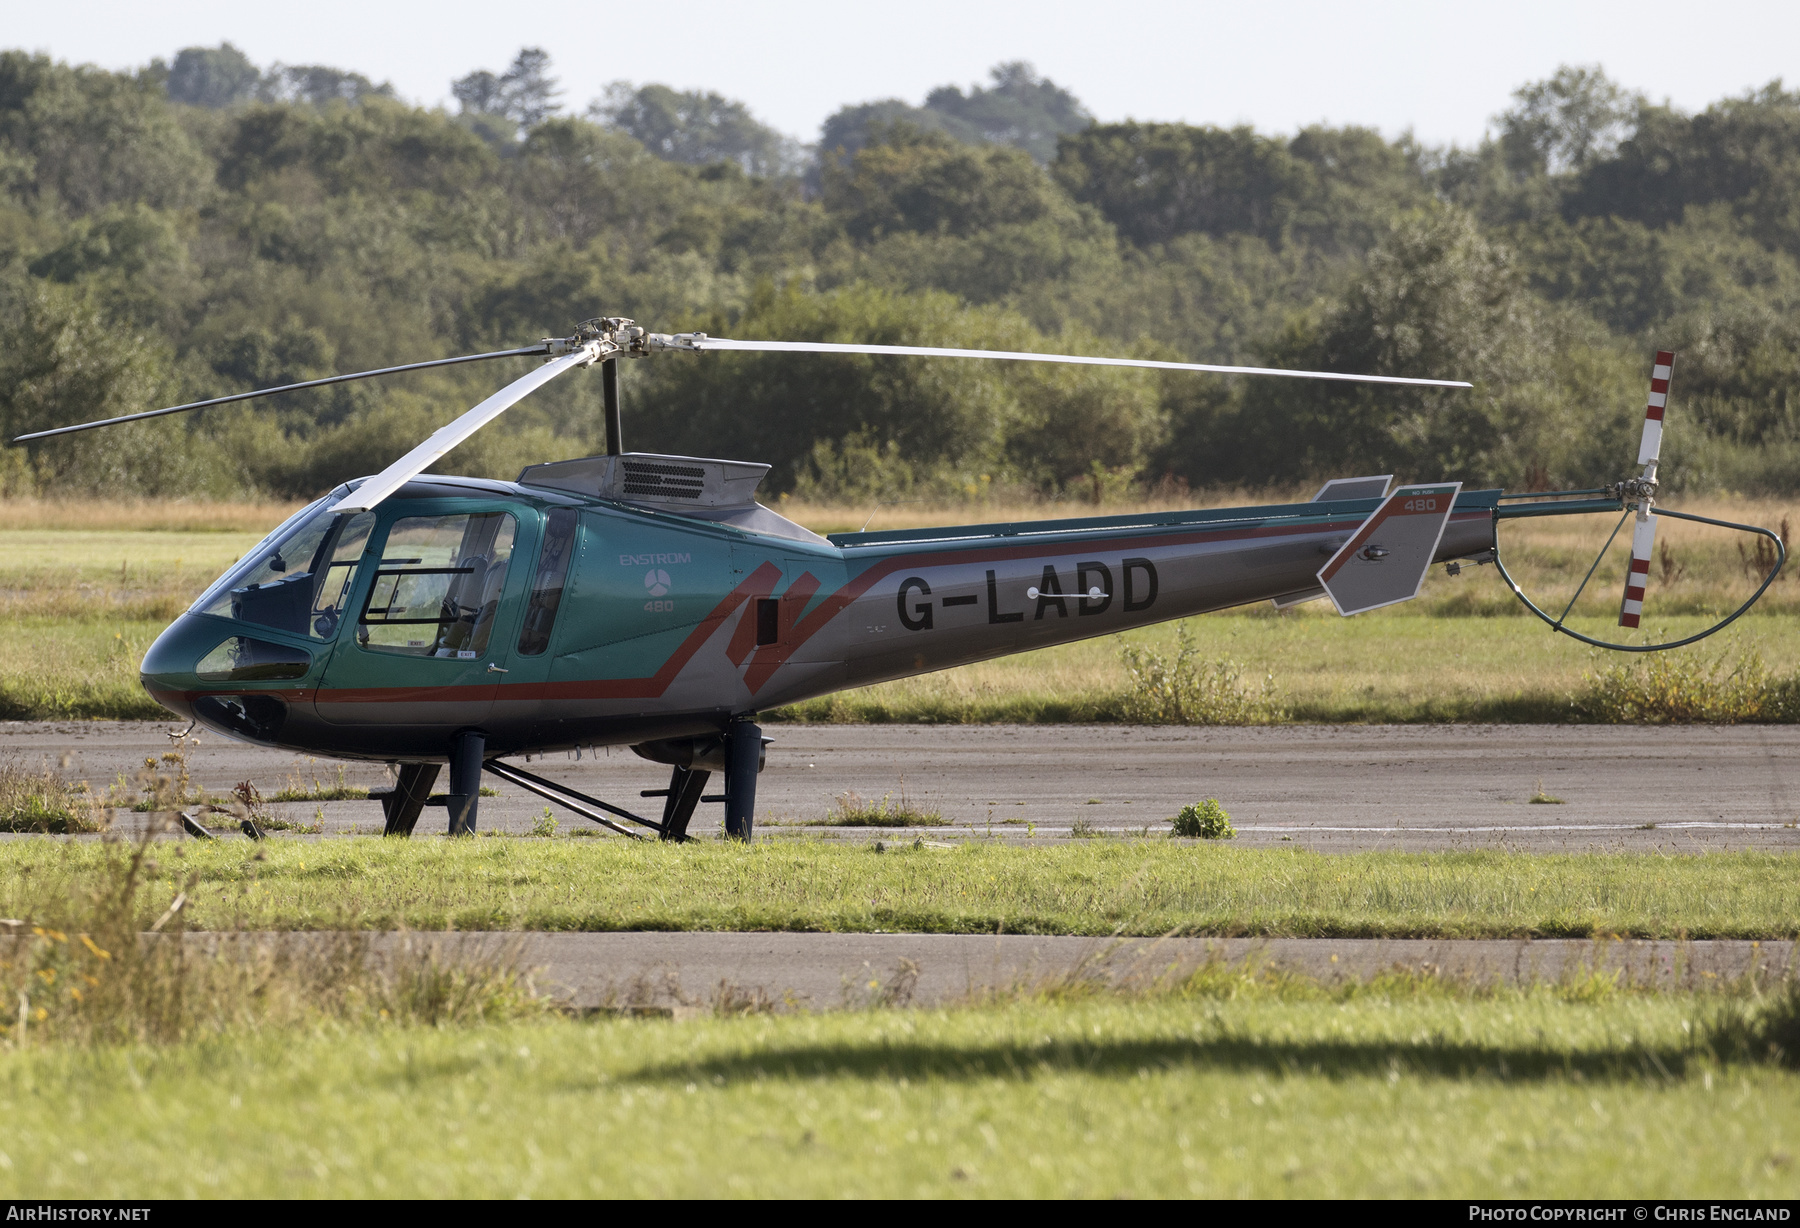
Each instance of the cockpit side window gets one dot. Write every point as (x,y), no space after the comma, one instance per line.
(298,584)
(548,583)
(437,589)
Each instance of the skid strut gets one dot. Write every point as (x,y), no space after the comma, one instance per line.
(402,804)
(686,785)
(569,799)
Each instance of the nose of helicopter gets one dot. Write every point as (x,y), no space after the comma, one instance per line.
(211,673)
(169,672)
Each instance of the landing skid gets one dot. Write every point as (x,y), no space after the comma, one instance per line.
(743,743)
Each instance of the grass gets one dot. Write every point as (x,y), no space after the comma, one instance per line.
(186,516)
(1095,887)
(82,602)
(854,810)
(1239,1094)
(149,1062)
(40,800)
(98,955)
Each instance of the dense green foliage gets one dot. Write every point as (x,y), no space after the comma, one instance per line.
(209,227)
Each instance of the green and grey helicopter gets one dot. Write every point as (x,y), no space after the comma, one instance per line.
(650,601)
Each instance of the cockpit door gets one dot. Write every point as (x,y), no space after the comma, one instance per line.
(431,638)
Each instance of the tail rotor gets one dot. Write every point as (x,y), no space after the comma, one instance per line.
(1643,489)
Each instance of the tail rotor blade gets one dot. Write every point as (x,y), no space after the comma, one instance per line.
(1643,545)
(1650,448)
(1643,534)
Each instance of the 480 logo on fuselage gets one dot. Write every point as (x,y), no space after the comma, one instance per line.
(1091,592)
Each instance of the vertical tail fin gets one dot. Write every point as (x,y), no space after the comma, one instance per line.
(1385,560)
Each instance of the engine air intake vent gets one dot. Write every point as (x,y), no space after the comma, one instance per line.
(667,481)
(643,477)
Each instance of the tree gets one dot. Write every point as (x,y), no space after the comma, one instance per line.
(1438,300)
(695,127)
(318,84)
(214,77)
(1567,123)
(525,93)
(1156,182)
(927,183)
(1741,152)
(91,138)
(1021,109)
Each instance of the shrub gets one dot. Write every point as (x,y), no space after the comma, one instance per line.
(1685,688)
(1205,820)
(1186,690)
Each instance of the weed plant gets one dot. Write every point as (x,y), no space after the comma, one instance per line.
(1728,687)
(853,810)
(1205,820)
(94,955)
(1184,689)
(318,788)
(1763,1026)
(40,800)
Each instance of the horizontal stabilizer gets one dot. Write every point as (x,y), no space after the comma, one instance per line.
(1288,601)
(1385,560)
(1353,488)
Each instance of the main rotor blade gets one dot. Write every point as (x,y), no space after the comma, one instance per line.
(269,392)
(700,342)
(415,462)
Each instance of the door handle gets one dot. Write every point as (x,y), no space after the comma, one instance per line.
(495,669)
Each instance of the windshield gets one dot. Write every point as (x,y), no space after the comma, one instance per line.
(259,550)
(298,580)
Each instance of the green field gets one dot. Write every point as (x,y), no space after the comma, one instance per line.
(1136,886)
(1380,1093)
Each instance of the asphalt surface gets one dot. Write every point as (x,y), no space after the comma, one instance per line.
(1333,788)
(710,972)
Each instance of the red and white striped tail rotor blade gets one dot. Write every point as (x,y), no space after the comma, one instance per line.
(1650,449)
(1643,543)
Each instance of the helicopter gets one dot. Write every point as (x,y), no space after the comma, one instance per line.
(650,601)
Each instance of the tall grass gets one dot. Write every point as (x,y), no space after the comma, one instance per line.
(1187,689)
(83,513)
(96,956)
(38,799)
(1729,686)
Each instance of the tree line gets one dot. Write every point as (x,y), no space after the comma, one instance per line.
(210,226)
